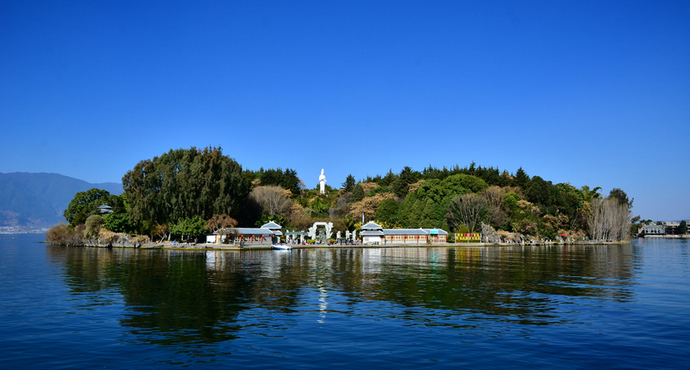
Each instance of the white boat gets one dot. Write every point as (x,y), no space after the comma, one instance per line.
(283,247)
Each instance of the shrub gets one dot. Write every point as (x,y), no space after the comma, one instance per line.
(61,234)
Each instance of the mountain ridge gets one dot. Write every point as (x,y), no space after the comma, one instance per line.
(38,200)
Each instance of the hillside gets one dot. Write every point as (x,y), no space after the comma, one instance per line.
(37,200)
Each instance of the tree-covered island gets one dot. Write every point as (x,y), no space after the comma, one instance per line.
(186,193)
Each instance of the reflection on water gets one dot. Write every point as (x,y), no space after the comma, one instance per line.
(196,297)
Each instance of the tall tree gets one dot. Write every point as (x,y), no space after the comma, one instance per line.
(285,179)
(349,183)
(357,193)
(521,179)
(185,183)
(387,211)
(538,191)
(401,185)
(610,219)
(590,194)
(621,197)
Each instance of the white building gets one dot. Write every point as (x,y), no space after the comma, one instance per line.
(373,233)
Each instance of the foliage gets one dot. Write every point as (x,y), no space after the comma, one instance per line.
(427,206)
(93,225)
(185,183)
(349,183)
(287,179)
(380,190)
(264,219)
(189,227)
(357,193)
(220,222)
(589,194)
(683,227)
(118,222)
(181,187)
(367,206)
(161,231)
(387,211)
(621,197)
(538,191)
(319,206)
(401,185)
(86,203)
(62,234)
(521,179)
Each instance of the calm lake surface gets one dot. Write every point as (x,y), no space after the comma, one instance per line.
(483,307)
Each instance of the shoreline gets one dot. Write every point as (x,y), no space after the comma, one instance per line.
(234,247)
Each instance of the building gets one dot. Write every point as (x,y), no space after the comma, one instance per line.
(104,209)
(415,236)
(373,233)
(267,234)
(654,229)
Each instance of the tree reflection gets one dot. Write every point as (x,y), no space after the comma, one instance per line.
(190,297)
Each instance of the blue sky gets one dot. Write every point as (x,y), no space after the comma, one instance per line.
(592,93)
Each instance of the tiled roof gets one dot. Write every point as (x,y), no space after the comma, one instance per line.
(253,231)
(372,226)
(271,225)
(372,233)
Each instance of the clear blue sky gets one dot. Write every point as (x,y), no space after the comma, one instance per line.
(592,93)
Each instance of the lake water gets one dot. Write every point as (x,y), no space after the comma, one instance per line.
(623,306)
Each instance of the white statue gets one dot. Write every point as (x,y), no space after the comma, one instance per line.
(312,232)
(322,182)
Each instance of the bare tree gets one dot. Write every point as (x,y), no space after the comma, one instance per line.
(469,210)
(496,215)
(222,223)
(161,231)
(273,200)
(610,219)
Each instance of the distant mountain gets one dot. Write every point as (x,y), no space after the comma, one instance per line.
(37,200)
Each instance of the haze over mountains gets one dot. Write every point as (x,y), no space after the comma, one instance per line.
(37,200)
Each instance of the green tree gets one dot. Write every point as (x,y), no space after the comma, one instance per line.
(538,191)
(622,197)
(388,179)
(349,183)
(357,193)
(285,179)
(401,185)
(189,227)
(387,211)
(683,227)
(185,183)
(118,222)
(85,204)
(426,207)
(521,179)
(590,194)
